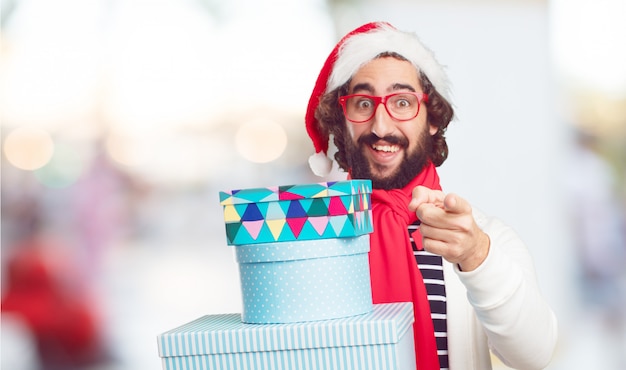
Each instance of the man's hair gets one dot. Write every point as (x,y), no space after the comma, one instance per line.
(331,119)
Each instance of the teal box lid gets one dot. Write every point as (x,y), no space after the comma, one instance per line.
(226,333)
(297,212)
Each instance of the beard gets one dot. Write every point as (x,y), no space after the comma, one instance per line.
(410,167)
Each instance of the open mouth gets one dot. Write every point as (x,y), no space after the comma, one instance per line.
(386,148)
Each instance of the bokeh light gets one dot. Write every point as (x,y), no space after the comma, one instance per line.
(261,140)
(28,148)
(64,168)
(128,150)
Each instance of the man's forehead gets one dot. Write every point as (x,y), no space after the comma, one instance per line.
(386,73)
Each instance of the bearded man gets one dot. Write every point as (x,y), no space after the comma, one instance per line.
(384,99)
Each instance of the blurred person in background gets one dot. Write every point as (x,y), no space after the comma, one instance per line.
(44,293)
(385,100)
(599,226)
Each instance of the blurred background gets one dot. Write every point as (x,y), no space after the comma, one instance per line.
(122,120)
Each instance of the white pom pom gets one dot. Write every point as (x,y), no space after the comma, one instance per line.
(320,164)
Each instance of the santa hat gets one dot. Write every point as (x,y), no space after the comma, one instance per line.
(352,52)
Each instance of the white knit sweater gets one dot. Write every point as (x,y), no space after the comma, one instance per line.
(498,307)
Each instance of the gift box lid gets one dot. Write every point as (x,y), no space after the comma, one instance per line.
(218,334)
(295,192)
(297,212)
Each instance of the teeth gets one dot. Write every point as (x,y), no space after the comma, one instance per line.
(386,148)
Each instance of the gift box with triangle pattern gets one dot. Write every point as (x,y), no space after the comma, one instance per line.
(302,250)
(297,212)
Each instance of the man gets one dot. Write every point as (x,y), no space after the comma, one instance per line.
(384,99)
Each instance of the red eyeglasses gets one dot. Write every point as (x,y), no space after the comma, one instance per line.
(403,106)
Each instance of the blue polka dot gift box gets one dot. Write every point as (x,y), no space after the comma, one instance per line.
(379,340)
(304,280)
(297,212)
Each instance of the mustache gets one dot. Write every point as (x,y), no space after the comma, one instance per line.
(372,138)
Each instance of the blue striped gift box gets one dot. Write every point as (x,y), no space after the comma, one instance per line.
(379,340)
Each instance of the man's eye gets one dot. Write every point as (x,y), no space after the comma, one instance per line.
(364,104)
(403,103)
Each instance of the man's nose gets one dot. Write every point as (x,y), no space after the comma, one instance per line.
(382,124)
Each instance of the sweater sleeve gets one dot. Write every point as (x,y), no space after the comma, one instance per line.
(503,291)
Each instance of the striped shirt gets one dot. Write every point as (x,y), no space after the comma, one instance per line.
(431,267)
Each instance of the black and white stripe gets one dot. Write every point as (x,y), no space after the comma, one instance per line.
(431,267)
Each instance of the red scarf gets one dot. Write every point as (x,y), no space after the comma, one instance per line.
(394,272)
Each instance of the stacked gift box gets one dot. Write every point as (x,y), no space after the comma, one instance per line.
(379,340)
(302,252)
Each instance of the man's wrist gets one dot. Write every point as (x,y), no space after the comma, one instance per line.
(476,259)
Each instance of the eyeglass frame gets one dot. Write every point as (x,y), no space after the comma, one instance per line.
(421,98)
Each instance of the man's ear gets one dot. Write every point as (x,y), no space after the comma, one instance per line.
(433,129)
